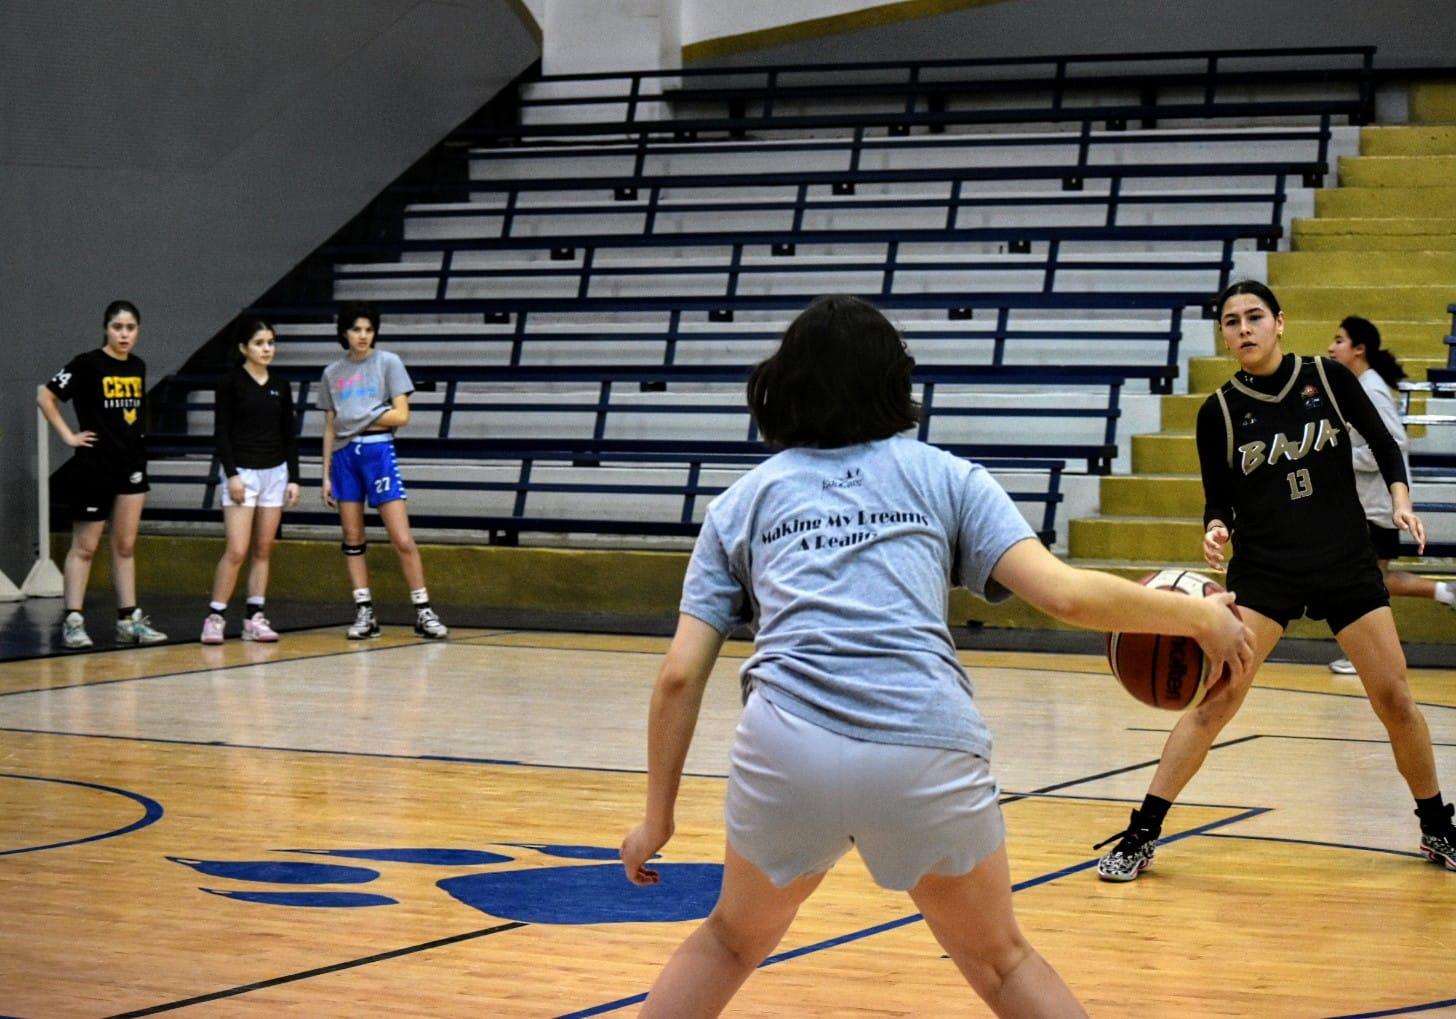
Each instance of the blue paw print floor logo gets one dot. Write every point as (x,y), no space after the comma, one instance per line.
(594,890)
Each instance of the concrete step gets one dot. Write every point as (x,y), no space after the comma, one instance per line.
(1165,453)
(1152,495)
(1143,538)
(1415,140)
(1180,412)
(1397,171)
(1341,268)
(1426,202)
(1421,303)
(1205,374)
(1375,234)
(1433,102)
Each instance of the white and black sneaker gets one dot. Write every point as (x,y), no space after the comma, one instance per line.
(1440,846)
(427,624)
(365,625)
(1131,856)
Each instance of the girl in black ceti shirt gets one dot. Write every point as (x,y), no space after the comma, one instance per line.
(1275,453)
(257,453)
(107,476)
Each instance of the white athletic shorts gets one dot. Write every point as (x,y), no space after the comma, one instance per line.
(263,486)
(799,796)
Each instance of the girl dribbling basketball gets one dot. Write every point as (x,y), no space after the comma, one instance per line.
(860,727)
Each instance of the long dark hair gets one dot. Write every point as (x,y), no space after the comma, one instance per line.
(116,308)
(244,330)
(1362,333)
(841,376)
(1252,287)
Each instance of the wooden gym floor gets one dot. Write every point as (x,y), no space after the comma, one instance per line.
(321,828)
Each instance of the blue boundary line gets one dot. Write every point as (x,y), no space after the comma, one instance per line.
(889,925)
(1402,1010)
(1313,842)
(1312,739)
(152,813)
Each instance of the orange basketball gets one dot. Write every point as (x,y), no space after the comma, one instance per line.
(1162,671)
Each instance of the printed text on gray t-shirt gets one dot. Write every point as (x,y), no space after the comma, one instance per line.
(845,558)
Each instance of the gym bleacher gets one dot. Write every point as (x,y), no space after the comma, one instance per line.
(580,293)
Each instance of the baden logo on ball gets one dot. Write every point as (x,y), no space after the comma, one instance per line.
(1159,670)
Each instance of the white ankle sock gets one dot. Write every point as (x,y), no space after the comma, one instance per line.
(1446,592)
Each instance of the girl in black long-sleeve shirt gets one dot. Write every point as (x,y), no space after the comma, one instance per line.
(258,456)
(1274,449)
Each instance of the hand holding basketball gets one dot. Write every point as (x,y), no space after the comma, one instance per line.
(1176,672)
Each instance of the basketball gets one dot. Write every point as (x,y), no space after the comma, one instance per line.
(1159,670)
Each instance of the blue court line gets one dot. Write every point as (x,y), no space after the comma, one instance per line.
(844,939)
(1403,1010)
(152,812)
(1350,696)
(441,758)
(1012,798)
(231,992)
(1314,842)
(1316,739)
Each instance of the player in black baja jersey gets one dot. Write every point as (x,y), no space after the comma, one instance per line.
(1275,452)
(107,476)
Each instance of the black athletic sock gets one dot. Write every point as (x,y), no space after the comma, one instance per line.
(125,613)
(1152,813)
(1435,815)
(255,608)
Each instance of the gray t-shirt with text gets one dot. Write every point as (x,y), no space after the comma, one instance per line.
(359,391)
(845,558)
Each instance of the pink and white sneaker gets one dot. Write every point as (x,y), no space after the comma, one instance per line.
(212,629)
(256,628)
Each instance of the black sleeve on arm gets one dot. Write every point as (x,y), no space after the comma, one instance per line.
(289,428)
(1218,477)
(1361,413)
(223,405)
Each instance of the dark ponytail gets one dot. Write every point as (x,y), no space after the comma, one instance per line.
(1362,333)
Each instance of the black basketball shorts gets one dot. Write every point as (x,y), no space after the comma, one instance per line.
(1339,594)
(92,488)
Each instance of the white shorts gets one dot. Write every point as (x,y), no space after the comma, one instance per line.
(262,486)
(799,796)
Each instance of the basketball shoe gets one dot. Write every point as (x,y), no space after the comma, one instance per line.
(212,628)
(427,624)
(73,631)
(365,625)
(1343,667)
(1132,855)
(137,629)
(1439,845)
(256,627)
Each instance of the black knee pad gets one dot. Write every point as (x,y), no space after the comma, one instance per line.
(353,549)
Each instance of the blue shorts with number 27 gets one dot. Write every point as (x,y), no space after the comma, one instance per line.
(367,471)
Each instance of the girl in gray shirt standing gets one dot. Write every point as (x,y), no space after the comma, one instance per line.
(365,397)
(860,727)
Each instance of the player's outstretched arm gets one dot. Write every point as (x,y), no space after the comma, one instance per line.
(676,700)
(1101,601)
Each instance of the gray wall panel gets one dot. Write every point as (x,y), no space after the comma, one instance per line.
(186,154)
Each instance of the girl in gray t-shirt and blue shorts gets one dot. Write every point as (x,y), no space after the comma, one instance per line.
(365,397)
(860,726)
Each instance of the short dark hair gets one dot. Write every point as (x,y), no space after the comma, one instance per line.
(841,376)
(1253,287)
(351,312)
(116,308)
